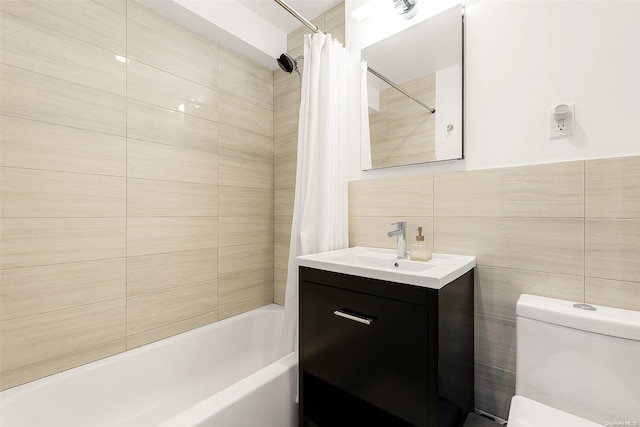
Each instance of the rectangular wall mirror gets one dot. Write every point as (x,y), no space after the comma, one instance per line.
(425,62)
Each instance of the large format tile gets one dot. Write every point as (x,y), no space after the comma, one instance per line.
(34,96)
(613,188)
(149,273)
(160,42)
(494,388)
(241,201)
(239,172)
(553,245)
(171,329)
(612,249)
(244,306)
(38,49)
(245,230)
(243,78)
(281,255)
(43,241)
(241,259)
(150,160)
(284,200)
(401,126)
(396,196)
(286,90)
(549,190)
(244,115)
(244,143)
(495,342)
(285,148)
(157,124)
(613,293)
(34,290)
(282,232)
(34,193)
(280,286)
(147,197)
(34,371)
(372,231)
(117,6)
(88,21)
(415,147)
(285,174)
(32,339)
(160,88)
(238,289)
(497,289)
(37,145)
(161,308)
(147,236)
(285,121)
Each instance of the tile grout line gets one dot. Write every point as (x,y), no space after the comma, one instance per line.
(126,171)
(584,232)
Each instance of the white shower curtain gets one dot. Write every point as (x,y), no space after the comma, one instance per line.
(320,217)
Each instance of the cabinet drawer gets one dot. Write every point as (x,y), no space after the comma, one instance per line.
(383,362)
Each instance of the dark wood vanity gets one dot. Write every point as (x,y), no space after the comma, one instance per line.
(379,353)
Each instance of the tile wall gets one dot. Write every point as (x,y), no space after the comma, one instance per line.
(148,174)
(402,131)
(286,104)
(136,183)
(564,230)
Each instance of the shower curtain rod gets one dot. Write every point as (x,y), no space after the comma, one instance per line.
(315,29)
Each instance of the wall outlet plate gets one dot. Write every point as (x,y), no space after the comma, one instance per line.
(561,125)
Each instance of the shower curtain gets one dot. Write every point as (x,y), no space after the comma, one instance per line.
(320,218)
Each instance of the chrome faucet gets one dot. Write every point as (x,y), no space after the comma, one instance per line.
(401,233)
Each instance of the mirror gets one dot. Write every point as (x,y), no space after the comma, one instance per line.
(426,62)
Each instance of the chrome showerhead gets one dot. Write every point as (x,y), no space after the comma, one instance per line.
(288,64)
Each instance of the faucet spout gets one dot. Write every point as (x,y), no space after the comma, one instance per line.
(401,233)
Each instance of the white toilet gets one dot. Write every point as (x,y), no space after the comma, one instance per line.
(576,366)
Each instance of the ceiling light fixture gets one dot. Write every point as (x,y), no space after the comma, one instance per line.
(406,8)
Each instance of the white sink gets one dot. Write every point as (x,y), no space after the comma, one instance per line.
(383,264)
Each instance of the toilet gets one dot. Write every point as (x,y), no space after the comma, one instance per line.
(577,365)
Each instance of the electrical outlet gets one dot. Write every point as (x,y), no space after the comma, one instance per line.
(561,121)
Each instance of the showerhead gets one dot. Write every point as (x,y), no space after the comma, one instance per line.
(288,64)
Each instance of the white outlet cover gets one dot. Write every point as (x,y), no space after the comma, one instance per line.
(561,128)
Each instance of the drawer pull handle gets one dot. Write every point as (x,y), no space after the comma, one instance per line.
(359,319)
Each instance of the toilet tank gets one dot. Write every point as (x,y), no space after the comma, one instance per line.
(580,361)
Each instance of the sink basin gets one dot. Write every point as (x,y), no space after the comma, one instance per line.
(383,264)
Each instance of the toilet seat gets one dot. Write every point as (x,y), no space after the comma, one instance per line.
(529,413)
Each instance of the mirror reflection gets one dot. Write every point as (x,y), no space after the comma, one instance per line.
(425,64)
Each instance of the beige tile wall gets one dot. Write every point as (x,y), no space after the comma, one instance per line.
(403,131)
(564,230)
(137,177)
(286,104)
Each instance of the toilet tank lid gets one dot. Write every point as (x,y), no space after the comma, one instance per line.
(611,321)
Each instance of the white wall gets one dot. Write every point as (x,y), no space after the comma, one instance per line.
(523,56)
(448,143)
(230,23)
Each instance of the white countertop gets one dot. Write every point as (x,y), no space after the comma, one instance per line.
(383,264)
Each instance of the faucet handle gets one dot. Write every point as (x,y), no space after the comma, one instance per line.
(402,225)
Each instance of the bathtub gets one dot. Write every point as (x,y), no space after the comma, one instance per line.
(225,374)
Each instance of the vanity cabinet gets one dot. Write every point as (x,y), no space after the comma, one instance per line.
(381,353)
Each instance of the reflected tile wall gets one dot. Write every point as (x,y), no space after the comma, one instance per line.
(127,175)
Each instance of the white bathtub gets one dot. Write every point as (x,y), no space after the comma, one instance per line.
(225,374)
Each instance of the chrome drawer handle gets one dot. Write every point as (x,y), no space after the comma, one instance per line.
(359,319)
